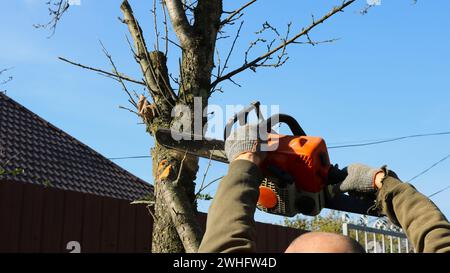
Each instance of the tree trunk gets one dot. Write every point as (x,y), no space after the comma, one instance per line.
(165,236)
(196,68)
(175,173)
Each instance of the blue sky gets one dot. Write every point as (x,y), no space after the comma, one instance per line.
(387,76)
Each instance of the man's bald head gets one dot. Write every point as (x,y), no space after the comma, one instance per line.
(322,242)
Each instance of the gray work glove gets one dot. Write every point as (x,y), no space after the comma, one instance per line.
(360,179)
(243,139)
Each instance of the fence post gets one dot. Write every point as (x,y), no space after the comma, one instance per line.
(365,240)
(375,243)
(345,229)
(391,244)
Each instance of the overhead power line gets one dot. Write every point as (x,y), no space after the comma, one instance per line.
(428,169)
(357,144)
(130,157)
(388,140)
(438,192)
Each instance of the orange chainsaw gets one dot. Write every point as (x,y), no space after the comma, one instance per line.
(299,177)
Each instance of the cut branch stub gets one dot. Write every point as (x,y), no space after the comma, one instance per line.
(147,110)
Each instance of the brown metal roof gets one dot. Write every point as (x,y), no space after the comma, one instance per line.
(53,158)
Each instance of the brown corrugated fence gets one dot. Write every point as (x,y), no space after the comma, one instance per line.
(38,219)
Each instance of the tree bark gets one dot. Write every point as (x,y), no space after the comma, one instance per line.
(166,238)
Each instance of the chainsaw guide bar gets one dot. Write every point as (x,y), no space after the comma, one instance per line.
(187,143)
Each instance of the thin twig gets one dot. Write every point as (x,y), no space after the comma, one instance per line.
(209,184)
(236,12)
(56,10)
(152,214)
(182,87)
(206,171)
(131,100)
(118,75)
(173,42)
(232,48)
(166,28)
(318,42)
(181,168)
(155,22)
(218,63)
(128,109)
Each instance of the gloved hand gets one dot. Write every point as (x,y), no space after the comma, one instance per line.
(244,140)
(360,178)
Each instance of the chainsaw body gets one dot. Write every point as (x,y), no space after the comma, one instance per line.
(296,175)
(296,167)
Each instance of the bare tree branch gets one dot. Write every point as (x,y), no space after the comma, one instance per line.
(166,28)
(130,97)
(56,9)
(5,81)
(117,75)
(204,175)
(174,43)
(282,46)
(155,22)
(8,79)
(180,24)
(157,82)
(231,18)
(129,110)
(4,70)
(207,185)
(181,82)
(231,49)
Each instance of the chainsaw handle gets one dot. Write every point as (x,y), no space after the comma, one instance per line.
(291,122)
(242,117)
(337,200)
(336,175)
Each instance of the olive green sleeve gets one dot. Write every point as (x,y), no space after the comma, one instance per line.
(425,225)
(230,226)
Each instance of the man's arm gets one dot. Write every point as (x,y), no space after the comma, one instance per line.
(231,226)
(425,226)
